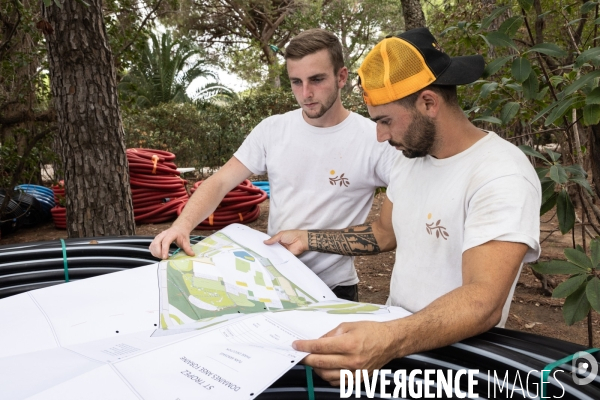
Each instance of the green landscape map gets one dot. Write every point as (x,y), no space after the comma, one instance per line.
(226,278)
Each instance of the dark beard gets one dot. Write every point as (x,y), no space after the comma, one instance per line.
(420,137)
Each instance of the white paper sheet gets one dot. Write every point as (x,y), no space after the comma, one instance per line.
(233,273)
(93,339)
(242,360)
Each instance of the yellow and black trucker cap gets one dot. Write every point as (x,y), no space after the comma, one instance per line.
(401,65)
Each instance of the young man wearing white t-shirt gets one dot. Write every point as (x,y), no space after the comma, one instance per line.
(462,212)
(324,162)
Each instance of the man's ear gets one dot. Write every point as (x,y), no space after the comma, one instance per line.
(429,103)
(342,77)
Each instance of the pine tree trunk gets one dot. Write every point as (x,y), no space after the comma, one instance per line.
(413,14)
(90,133)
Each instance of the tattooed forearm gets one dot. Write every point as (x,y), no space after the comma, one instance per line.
(354,241)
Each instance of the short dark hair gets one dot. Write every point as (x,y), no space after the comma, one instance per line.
(447,92)
(313,40)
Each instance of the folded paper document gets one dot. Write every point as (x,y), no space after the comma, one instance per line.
(216,325)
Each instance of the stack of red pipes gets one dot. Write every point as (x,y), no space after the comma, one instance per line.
(156,186)
(159,194)
(59,213)
(239,206)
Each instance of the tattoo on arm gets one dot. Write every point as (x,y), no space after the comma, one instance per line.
(354,241)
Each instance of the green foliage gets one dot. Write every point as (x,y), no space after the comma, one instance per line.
(565,212)
(359,24)
(509,110)
(558,267)
(521,68)
(582,290)
(25,168)
(555,179)
(58,3)
(128,25)
(49,3)
(208,133)
(179,128)
(203,135)
(549,49)
(24,92)
(24,81)
(548,80)
(245,33)
(166,70)
(576,306)
(569,286)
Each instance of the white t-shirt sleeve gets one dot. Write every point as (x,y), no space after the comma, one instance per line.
(386,159)
(505,209)
(253,152)
(394,170)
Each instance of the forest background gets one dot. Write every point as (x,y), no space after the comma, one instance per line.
(82,80)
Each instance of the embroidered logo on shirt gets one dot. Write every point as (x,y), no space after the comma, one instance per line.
(439,230)
(343,181)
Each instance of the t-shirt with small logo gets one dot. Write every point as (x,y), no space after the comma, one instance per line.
(443,207)
(320,178)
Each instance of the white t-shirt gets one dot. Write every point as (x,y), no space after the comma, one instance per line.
(320,178)
(443,207)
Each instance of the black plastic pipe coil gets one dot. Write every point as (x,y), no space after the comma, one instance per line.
(505,353)
(27,266)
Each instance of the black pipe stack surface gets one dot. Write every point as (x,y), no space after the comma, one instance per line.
(509,362)
(27,266)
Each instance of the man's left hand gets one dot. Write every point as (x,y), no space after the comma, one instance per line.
(352,346)
(296,241)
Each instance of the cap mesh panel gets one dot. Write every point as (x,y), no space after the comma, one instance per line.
(407,72)
(402,55)
(373,69)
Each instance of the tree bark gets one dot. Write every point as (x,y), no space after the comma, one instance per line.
(90,132)
(413,14)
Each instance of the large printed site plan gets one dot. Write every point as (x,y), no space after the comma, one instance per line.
(216,325)
(224,278)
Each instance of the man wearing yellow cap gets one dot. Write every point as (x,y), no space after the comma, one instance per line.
(462,212)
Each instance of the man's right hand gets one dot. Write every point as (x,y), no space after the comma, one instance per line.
(161,243)
(296,241)
(202,203)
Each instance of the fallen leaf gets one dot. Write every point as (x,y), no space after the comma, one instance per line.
(531,325)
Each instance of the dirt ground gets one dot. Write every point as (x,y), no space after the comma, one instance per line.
(532,309)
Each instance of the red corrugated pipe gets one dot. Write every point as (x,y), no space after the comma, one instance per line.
(241,205)
(59,213)
(159,194)
(156,187)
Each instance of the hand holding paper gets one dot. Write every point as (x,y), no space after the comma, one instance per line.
(349,346)
(296,241)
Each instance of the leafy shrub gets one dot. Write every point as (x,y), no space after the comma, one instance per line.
(208,133)
(20,163)
(202,135)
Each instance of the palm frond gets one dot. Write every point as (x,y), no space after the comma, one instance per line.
(168,67)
